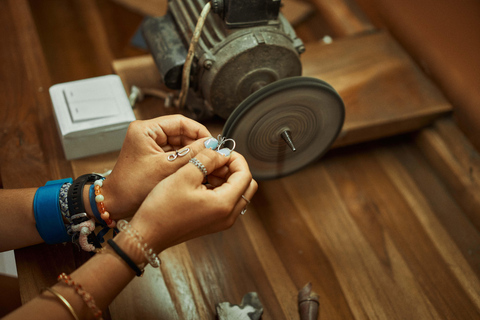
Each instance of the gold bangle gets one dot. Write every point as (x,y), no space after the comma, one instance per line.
(64,301)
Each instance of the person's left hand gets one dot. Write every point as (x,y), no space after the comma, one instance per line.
(181,207)
(143,163)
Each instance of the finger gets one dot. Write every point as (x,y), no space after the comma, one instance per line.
(177,126)
(214,181)
(243,203)
(239,206)
(238,180)
(206,161)
(219,176)
(178,158)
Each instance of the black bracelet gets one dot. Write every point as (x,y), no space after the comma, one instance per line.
(76,206)
(75,196)
(125,257)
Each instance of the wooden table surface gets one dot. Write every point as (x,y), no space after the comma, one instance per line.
(383,230)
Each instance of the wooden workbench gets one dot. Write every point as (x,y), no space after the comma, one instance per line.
(387,229)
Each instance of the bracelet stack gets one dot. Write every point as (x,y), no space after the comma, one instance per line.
(133,234)
(60,214)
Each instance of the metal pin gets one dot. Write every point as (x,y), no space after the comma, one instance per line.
(286,136)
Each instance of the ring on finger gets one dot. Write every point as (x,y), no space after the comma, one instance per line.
(248,202)
(199,165)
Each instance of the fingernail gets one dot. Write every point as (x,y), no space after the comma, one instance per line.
(225,151)
(211,143)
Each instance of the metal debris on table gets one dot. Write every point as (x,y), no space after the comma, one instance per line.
(249,309)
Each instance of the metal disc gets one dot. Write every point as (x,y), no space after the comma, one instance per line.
(309,110)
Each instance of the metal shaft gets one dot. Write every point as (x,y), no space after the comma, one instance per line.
(288,139)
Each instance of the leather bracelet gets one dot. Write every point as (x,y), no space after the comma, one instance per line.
(76,205)
(125,258)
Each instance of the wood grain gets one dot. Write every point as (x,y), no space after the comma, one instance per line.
(456,161)
(344,17)
(448,52)
(384,92)
(383,229)
(30,151)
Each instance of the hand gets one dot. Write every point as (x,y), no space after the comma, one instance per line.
(143,163)
(181,207)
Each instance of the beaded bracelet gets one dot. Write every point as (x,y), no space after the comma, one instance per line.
(87,297)
(99,198)
(151,256)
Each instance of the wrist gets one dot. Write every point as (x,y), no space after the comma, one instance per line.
(141,241)
(109,198)
(150,233)
(86,202)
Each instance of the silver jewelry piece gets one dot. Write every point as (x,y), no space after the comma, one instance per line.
(248,202)
(78,215)
(199,165)
(177,154)
(222,141)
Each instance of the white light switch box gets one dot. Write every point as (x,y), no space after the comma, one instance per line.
(92,115)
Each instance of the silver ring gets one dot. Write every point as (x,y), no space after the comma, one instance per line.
(199,165)
(248,202)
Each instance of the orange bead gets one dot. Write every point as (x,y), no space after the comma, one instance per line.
(101,207)
(105,216)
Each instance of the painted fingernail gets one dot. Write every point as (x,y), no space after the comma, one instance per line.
(225,151)
(211,143)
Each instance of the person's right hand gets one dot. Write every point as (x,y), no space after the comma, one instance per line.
(181,207)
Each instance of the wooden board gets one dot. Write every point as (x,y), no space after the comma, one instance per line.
(448,52)
(384,91)
(373,226)
(456,161)
(30,149)
(152,8)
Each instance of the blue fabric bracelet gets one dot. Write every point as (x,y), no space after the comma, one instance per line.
(93,205)
(48,217)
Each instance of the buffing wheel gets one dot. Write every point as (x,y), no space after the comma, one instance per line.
(286,125)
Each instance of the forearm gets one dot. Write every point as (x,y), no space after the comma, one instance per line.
(104,276)
(17,228)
